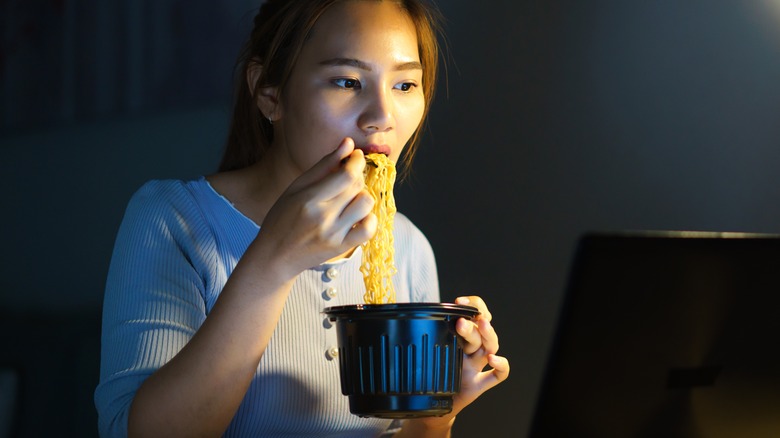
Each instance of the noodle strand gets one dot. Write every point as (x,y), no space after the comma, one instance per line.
(378,263)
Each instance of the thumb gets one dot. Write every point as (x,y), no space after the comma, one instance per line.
(326,165)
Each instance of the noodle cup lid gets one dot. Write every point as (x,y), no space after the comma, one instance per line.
(401,310)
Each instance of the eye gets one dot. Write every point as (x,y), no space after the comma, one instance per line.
(405,86)
(347,83)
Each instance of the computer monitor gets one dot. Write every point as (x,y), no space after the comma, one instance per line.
(666,334)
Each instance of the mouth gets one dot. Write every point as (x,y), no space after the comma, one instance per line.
(375,149)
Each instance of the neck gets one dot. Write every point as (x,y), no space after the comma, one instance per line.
(253,190)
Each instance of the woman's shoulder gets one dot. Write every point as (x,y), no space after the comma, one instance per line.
(170,191)
(166,188)
(162,197)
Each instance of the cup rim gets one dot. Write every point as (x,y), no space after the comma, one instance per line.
(357,310)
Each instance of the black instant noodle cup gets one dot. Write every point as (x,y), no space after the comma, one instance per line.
(400,360)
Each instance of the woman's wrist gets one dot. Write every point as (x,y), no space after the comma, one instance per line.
(267,262)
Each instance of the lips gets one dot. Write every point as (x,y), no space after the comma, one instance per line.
(375,149)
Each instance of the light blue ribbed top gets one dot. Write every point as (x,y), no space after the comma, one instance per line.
(177,244)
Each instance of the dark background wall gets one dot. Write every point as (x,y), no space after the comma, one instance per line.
(559,117)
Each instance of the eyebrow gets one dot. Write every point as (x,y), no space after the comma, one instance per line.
(351,62)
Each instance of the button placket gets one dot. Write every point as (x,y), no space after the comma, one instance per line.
(330,293)
(331,289)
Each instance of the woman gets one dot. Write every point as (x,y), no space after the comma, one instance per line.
(212,320)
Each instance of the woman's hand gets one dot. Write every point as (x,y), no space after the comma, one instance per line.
(479,351)
(324,213)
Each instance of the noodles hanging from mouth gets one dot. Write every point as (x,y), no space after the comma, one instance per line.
(378,264)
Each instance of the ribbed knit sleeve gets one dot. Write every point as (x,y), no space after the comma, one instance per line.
(155,294)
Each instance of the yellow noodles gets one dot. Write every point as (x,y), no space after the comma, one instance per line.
(378,264)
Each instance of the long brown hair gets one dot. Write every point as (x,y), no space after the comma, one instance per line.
(281,28)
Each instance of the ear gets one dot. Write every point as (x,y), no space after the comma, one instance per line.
(266,98)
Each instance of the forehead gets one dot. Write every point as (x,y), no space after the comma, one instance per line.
(364,27)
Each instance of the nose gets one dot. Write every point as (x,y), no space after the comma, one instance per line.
(377,114)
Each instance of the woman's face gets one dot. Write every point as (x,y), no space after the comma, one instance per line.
(358,76)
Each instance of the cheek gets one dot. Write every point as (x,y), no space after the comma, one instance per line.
(327,114)
(409,117)
(322,122)
(408,120)
(326,127)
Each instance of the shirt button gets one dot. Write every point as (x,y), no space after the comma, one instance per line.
(333,352)
(331,292)
(332,273)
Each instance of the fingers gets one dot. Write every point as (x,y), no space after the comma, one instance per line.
(327,209)
(499,372)
(351,201)
(489,336)
(479,336)
(326,165)
(343,189)
(500,367)
(479,333)
(333,195)
(361,231)
(477,302)
(358,208)
(338,177)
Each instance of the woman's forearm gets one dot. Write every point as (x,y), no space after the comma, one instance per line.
(198,392)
